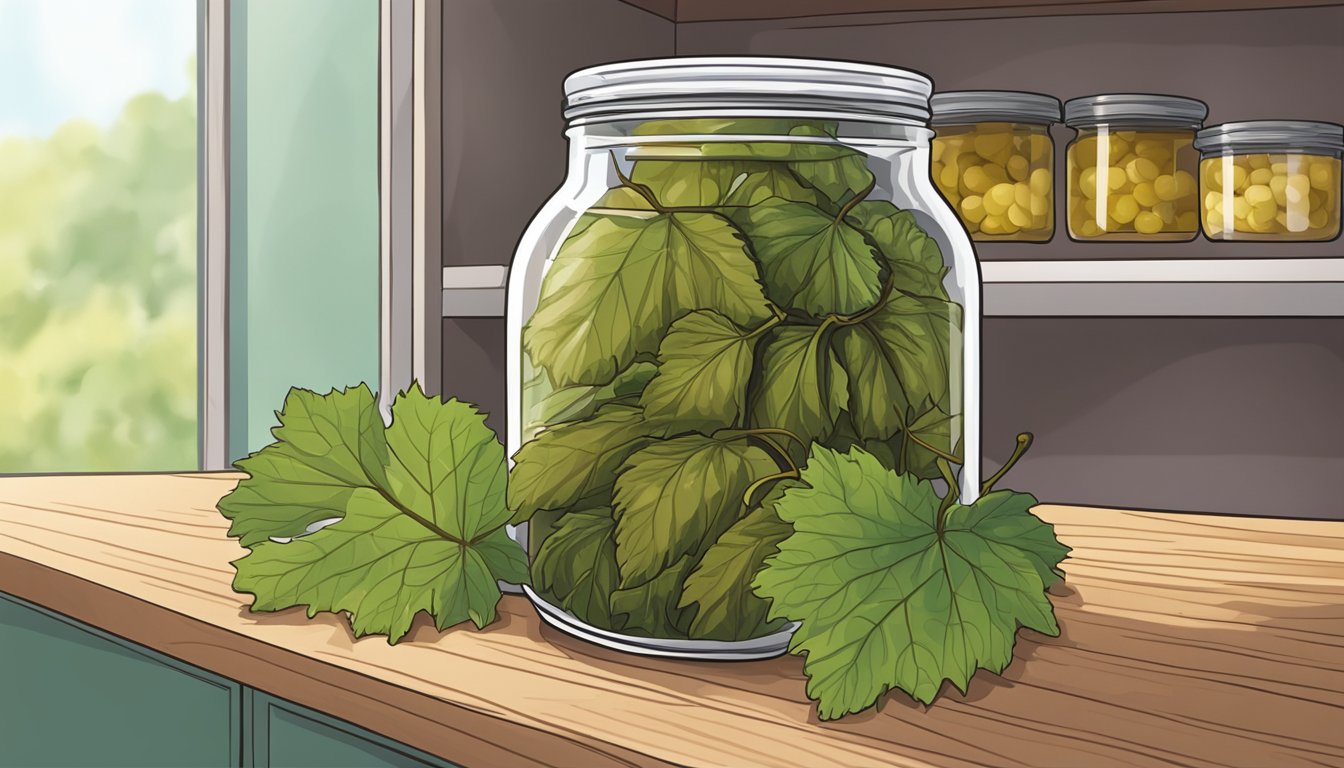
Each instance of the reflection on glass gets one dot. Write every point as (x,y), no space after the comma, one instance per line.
(97,235)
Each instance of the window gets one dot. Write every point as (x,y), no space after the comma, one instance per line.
(98,278)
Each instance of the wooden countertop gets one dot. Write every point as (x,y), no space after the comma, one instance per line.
(1190,640)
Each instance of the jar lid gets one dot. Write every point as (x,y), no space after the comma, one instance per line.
(1145,109)
(951,107)
(1272,135)
(721,84)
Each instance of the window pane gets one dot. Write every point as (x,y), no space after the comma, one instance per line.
(97,235)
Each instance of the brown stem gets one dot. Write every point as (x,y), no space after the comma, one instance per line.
(1024,441)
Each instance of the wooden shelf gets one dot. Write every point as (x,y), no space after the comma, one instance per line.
(1165,288)
(1187,639)
(933,10)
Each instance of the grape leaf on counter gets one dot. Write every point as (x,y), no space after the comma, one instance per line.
(886,598)
(576,564)
(326,447)
(704,364)
(676,495)
(720,586)
(616,285)
(424,532)
(809,260)
(570,462)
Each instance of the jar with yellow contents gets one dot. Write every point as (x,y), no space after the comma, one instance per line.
(1270,180)
(1131,168)
(993,160)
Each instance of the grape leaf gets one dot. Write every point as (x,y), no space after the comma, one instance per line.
(914,258)
(720,586)
(809,260)
(581,400)
(675,495)
(651,608)
(705,362)
(803,387)
(916,335)
(616,285)
(934,427)
(326,447)
(426,536)
(763,181)
(886,599)
(836,171)
(576,565)
(569,462)
(687,183)
(877,401)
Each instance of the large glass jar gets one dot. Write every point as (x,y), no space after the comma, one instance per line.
(1131,168)
(747,257)
(1270,180)
(994,161)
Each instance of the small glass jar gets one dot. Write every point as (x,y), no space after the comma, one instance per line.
(1131,168)
(994,161)
(1270,180)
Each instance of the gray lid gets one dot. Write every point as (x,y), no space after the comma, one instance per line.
(1144,109)
(952,107)
(1271,135)
(720,84)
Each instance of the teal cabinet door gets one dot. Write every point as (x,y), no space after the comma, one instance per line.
(72,696)
(283,734)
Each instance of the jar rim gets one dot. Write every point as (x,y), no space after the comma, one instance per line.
(954,107)
(1143,109)
(1271,135)
(623,90)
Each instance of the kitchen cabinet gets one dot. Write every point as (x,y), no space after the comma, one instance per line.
(282,734)
(77,696)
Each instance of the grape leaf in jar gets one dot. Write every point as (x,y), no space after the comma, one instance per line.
(651,609)
(916,335)
(877,400)
(704,364)
(616,286)
(675,496)
(811,261)
(913,257)
(576,565)
(836,171)
(580,401)
(803,387)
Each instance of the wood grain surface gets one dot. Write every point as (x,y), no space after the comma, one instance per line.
(1188,640)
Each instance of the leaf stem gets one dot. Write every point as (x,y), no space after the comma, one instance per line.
(881,302)
(855,200)
(751,489)
(942,455)
(643,190)
(773,431)
(1024,441)
(953,492)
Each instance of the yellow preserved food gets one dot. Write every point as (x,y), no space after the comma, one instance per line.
(1271,180)
(1131,170)
(993,159)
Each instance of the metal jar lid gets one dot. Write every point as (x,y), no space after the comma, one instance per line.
(691,86)
(961,107)
(1135,109)
(1271,136)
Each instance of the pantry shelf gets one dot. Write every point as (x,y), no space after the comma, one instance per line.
(934,10)
(1167,288)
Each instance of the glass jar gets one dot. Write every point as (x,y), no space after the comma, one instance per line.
(1131,168)
(1270,180)
(747,256)
(994,161)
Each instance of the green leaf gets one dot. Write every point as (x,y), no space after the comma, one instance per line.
(810,261)
(704,364)
(581,400)
(326,447)
(576,565)
(687,183)
(430,539)
(763,181)
(570,462)
(917,336)
(616,286)
(675,496)
(720,586)
(651,609)
(836,171)
(886,599)
(877,402)
(803,387)
(935,427)
(914,258)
